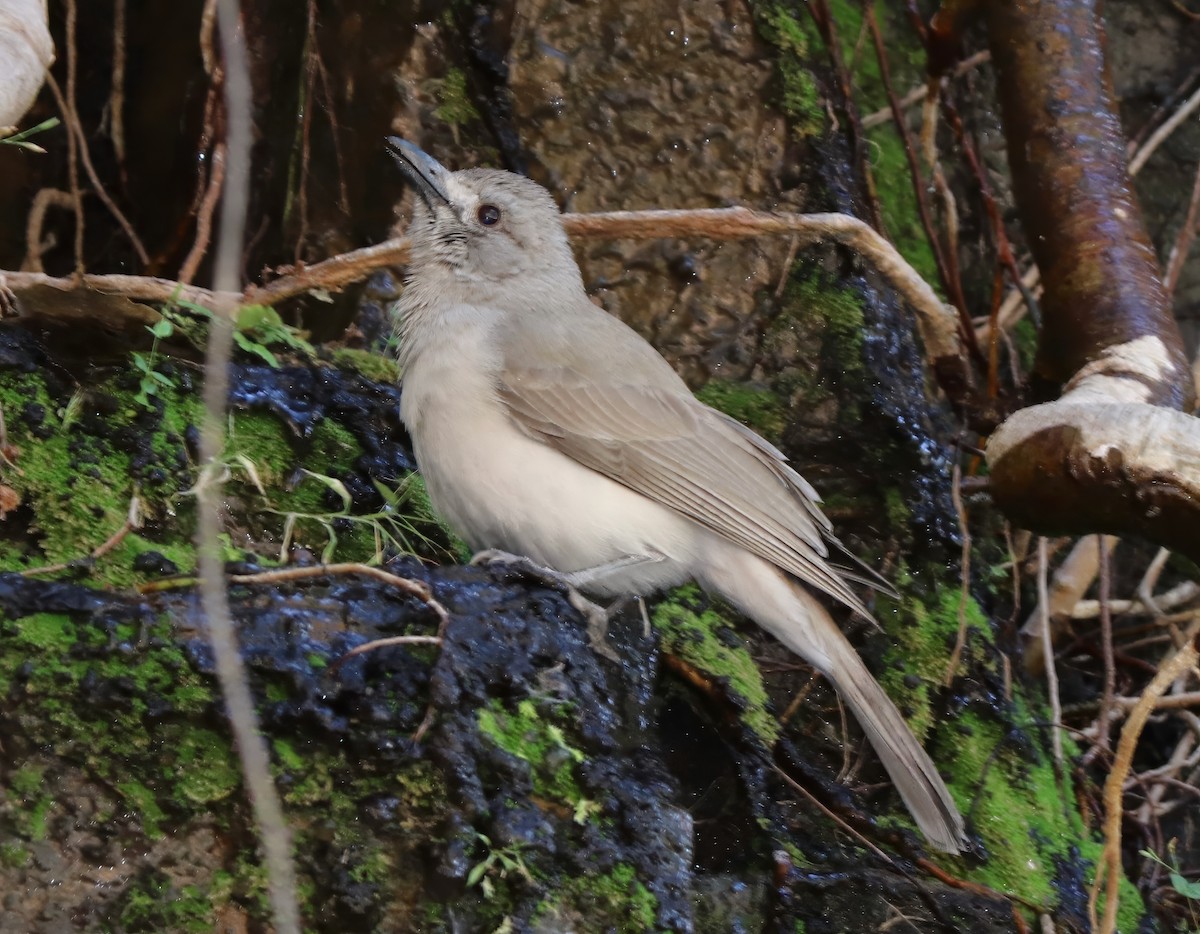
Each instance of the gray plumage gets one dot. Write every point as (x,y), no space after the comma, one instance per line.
(547,428)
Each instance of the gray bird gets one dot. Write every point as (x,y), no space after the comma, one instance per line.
(547,428)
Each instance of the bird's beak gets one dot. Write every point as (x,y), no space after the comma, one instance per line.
(427,175)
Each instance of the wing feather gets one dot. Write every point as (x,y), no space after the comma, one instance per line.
(671,448)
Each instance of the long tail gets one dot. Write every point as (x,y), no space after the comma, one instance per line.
(794,617)
(910,768)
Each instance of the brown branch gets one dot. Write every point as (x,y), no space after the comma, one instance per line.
(208,204)
(66,104)
(141,288)
(116,96)
(1183,241)
(950,283)
(1108,875)
(72,145)
(823,18)
(1067,156)
(1114,454)
(34,246)
(936,323)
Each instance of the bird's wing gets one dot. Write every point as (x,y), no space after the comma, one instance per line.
(671,448)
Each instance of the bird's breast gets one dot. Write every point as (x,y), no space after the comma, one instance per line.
(500,488)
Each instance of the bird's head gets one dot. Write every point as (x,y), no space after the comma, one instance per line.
(481,226)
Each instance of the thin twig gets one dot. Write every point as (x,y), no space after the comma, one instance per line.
(936,322)
(1159,136)
(116,95)
(1182,593)
(212,194)
(952,286)
(72,144)
(133,520)
(391,640)
(1108,875)
(1048,654)
(1183,241)
(75,130)
(917,94)
(286,575)
(808,796)
(252,750)
(1106,644)
(34,245)
(964,573)
(1145,587)
(310,74)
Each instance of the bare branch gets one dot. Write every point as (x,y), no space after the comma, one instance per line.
(252,749)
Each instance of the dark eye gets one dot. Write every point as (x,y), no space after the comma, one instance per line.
(488,214)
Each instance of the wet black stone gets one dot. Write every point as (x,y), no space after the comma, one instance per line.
(154,562)
(34,414)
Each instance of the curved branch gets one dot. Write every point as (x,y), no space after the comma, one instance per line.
(1066,151)
(1115,453)
(1078,466)
(937,323)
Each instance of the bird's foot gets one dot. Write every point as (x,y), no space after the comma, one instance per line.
(595,615)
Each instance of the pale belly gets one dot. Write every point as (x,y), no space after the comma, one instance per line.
(500,489)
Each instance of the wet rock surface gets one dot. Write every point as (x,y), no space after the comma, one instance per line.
(565,764)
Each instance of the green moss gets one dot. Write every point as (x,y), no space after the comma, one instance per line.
(454,104)
(793,36)
(798,45)
(690,629)
(27,780)
(839,310)
(614,901)
(152,903)
(898,513)
(146,804)
(377,367)
(77,478)
(420,508)
(374,868)
(14,855)
(530,736)
(1025,336)
(898,202)
(50,632)
(149,759)
(204,770)
(751,405)
(1027,821)
(922,634)
(286,753)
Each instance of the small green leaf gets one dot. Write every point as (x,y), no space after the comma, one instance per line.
(330,544)
(194,308)
(1185,887)
(476,873)
(390,497)
(334,484)
(255,348)
(161,329)
(18,139)
(252,317)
